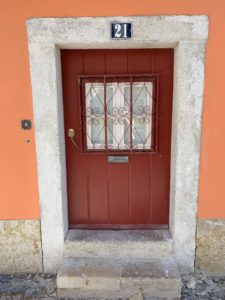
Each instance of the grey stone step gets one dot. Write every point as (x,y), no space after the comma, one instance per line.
(96,278)
(118,243)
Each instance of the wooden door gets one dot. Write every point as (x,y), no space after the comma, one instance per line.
(119,104)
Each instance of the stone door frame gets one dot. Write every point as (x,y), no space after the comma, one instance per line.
(188,36)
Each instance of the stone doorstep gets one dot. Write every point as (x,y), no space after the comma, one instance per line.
(77,294)
(100,278)
(118,243)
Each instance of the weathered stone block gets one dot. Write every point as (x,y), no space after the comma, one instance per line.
(97,294)
(110,278)
(20,246)
(210,252)
(159,278)
(89,273)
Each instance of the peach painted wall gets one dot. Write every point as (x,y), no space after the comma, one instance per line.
(18,174)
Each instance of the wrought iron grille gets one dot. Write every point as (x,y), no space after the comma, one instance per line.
(119,113)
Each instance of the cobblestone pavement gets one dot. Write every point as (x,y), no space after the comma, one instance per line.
(43,286)
(203,287)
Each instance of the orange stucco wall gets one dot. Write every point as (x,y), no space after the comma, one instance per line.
(18,174)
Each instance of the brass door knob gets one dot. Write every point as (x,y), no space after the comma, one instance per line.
(71,135)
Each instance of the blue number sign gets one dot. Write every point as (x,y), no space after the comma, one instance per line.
(121,30)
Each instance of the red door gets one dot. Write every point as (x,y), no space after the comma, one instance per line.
(118,106)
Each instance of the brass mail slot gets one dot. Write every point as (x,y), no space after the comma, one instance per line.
(118,159)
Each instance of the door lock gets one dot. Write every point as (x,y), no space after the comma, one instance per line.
(71,135)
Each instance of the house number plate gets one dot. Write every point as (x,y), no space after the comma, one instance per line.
(118,159)
(121,30)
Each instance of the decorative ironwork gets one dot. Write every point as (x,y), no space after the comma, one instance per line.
(119,113)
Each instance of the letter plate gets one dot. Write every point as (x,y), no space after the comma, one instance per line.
(118,159)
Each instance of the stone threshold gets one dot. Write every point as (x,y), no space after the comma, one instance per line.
(142,244)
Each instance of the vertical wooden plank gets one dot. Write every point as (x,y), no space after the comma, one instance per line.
(118,180)
(139,189)
(160,163)
(150,156)
(94,63)
(77,191)
(72,64)
(139,61)
(116,61)
(118,193)
(98,190)
(139,202)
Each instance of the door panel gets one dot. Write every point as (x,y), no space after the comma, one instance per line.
(117,195)
(139,190)
(98,190)
(116,62)
(160,164)
(139,62)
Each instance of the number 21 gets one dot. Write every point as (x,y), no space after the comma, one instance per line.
(118,28)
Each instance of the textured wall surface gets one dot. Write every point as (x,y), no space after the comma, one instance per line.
(210,254)
(18,159)
(20,246)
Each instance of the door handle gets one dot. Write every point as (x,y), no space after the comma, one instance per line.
(71,135)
